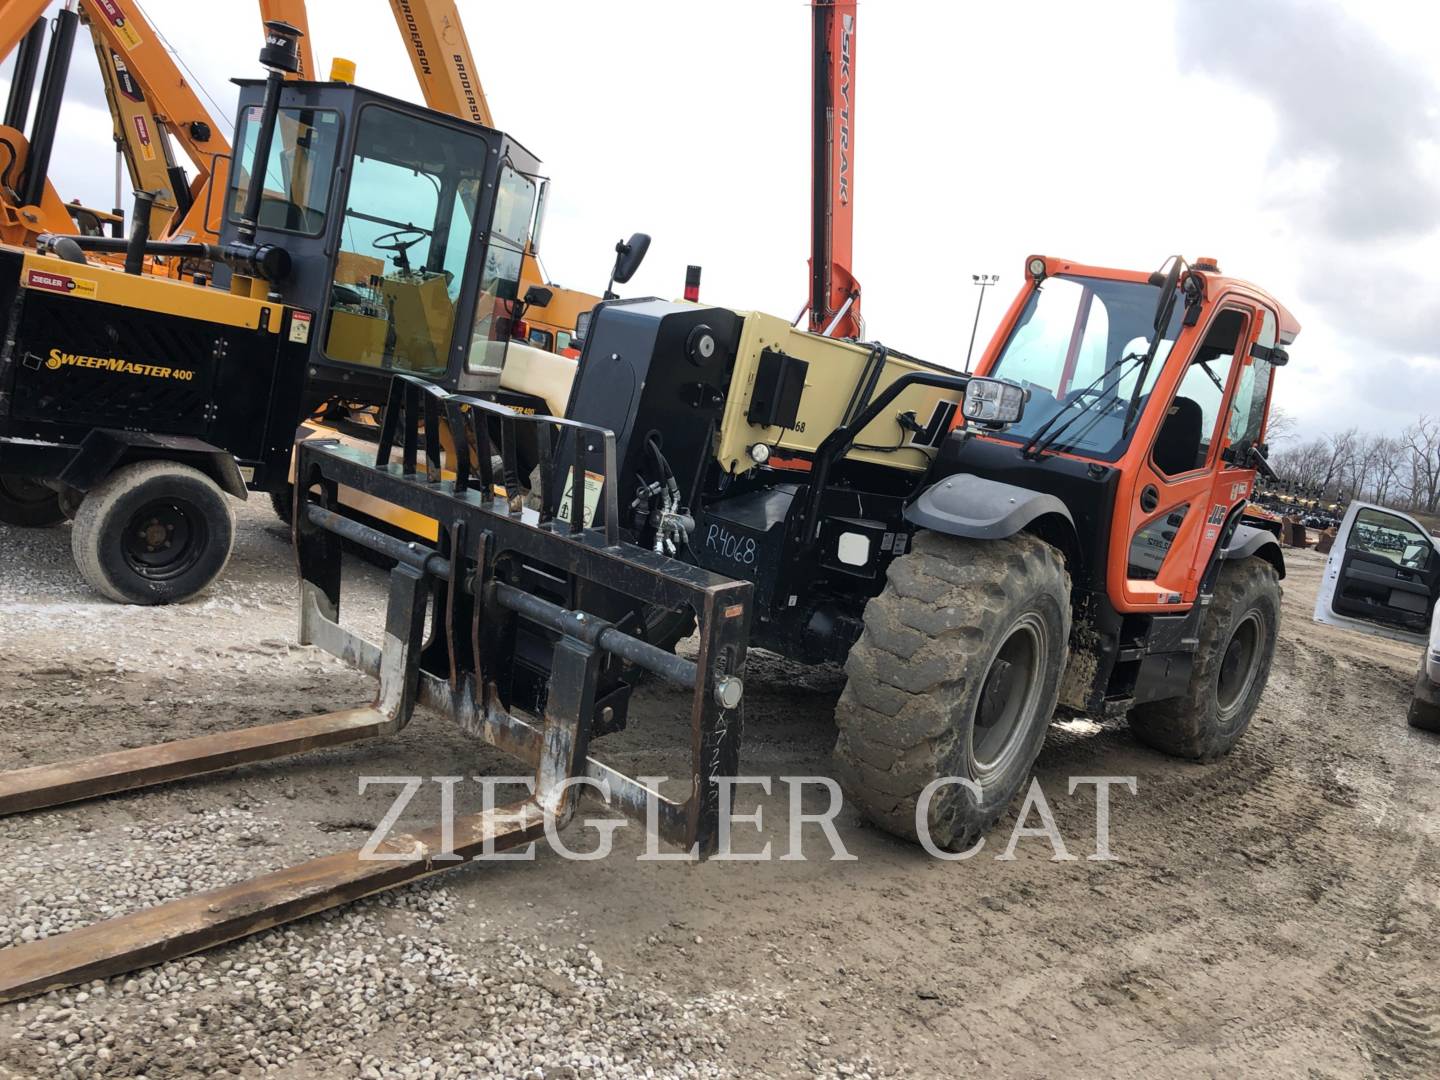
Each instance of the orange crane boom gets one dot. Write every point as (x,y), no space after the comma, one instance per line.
(440,54)
(149,98)
(834,303)
(175,106)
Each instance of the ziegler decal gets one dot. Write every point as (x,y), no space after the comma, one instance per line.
(116,18)
(59,283)
(60,359)
(142,132)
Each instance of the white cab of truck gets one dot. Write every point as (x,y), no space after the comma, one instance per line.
(1382,577)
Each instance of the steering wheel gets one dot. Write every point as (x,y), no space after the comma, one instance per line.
(400,241)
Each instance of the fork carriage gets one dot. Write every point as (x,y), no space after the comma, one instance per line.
(525,626)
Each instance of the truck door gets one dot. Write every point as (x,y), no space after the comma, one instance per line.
(1185,489)
(1382,576)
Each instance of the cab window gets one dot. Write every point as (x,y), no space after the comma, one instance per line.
(1183,443)
(1252,393)
(296,196)
(403,245)
(500,278)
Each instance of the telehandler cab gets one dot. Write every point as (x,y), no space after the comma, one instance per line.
(1065,528)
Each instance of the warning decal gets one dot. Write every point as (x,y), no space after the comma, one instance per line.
(594,484)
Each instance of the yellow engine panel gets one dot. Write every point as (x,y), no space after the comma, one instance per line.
(836,369)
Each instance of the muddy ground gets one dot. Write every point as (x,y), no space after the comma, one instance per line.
(1274,913)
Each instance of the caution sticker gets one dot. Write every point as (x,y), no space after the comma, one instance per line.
(60,283)
(300,327)
(594,485)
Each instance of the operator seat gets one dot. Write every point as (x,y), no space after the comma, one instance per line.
(1177,446)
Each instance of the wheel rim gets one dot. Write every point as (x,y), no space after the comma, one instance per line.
(1009,694)
(163,539)
(1240,663)
(22,489)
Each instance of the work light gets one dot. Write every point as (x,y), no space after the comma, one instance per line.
(993,402)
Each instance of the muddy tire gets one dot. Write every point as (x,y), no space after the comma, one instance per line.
(1425,706)
(1232,665)
(155,532)
(955,675)
(283,503)
(28,503)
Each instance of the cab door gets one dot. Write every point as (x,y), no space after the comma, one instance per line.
(1184,488)
(1382,576)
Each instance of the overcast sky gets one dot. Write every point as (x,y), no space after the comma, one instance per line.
(1298,141)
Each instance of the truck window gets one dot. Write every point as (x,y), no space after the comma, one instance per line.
(1391,538)
(404,242)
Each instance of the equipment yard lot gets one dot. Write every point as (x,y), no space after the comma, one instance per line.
(1274,911)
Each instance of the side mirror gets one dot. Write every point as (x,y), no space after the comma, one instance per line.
(629,254)
(538,296)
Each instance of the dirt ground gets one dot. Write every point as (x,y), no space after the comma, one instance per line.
(1274,913)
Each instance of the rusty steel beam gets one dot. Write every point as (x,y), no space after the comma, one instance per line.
(204,920)
(70,781)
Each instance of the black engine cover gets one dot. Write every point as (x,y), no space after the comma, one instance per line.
(646,371)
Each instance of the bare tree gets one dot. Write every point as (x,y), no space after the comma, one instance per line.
(1339,449)
(1281,426)
(1422,440)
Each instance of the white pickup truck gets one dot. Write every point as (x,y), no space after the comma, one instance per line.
(1383,577)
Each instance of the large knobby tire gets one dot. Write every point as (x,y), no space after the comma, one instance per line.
(155,532)
(955,675)
(283,503)
(1425,706)
(28,503)
(1232,665)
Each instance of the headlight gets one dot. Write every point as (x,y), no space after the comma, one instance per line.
(994,403)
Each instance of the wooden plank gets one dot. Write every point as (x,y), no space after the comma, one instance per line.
(70,781)
(204,920)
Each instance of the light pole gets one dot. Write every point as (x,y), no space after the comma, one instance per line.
(984,281)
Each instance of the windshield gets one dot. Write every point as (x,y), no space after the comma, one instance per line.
(1078,345)
(404,243)
(298,175)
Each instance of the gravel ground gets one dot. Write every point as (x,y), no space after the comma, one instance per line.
(1274,912)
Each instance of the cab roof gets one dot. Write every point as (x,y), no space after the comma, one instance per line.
(1216,283)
